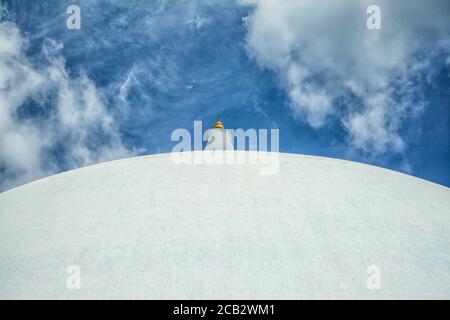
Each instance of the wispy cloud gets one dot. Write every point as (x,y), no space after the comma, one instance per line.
(136,71)
(69,117)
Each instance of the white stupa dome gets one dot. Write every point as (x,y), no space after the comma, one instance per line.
(146,228)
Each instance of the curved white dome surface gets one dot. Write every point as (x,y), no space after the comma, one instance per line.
(146,228)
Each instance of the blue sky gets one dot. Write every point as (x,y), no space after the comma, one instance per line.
(138,70)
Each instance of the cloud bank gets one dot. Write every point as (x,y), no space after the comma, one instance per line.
(49,120)
(333,68)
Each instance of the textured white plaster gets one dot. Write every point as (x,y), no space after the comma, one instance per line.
(146,228)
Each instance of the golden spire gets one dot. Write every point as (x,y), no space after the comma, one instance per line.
(219,124)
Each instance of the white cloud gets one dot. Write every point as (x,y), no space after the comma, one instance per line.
(323,53)
(374,130)
(78,118)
